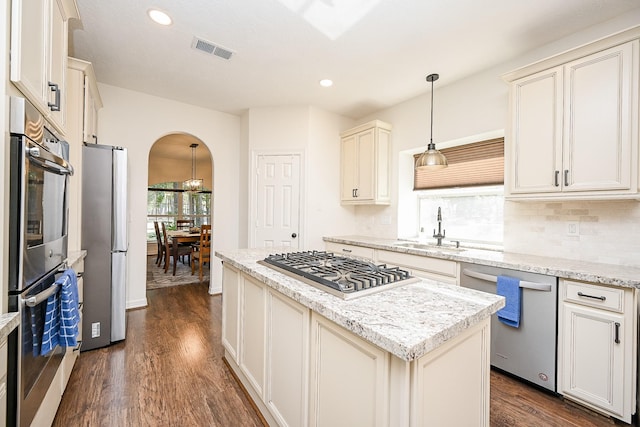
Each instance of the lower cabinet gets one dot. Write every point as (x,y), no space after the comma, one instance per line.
(287,385)
(3,382)
(302,369)
(344,370)
(597,347)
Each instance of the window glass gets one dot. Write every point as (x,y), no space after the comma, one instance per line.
(472,214)
(167,203)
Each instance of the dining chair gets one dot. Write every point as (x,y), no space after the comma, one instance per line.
(202,251)
(168,250)
(161,248)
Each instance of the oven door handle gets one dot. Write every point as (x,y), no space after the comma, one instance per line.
(42,157)
(523,283)
(42,296)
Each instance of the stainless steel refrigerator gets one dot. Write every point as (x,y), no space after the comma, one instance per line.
(104,237)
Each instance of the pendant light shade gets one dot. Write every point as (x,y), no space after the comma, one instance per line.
(193,184)
(431,159)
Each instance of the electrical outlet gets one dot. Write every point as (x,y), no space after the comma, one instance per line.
(573,228)
(95,330)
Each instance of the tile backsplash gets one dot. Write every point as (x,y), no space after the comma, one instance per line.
(597,231)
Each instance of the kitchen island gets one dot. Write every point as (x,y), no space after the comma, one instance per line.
(407,356)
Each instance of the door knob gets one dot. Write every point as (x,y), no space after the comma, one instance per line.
(294,235)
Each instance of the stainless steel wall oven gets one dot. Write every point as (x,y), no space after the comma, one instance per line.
(37,251)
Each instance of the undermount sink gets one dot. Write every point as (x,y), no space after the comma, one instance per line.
(429,246)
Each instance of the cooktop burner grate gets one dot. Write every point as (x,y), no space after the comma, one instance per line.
(339,275)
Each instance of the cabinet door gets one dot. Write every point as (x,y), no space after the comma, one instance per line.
(349,167)
(57,64)
(28,44)
(535,150)
(90,114)
(599,95)
(230,311)
(349,378)
(593,362)
(253,332)
(366,161)
(287,385)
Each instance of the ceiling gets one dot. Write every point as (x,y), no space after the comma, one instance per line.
(377,52)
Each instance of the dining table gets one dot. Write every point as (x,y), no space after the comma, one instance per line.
(180,237)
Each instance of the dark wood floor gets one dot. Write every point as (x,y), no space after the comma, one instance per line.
(170,372)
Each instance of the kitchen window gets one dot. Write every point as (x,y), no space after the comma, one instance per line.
(167,202)
(470,193)
(473,215)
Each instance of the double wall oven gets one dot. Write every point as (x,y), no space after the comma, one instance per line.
(37,252)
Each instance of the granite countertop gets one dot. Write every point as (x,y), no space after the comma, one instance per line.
(408,321)
(8,322)
(608,274)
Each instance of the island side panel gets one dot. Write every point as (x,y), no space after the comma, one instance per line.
(451,383)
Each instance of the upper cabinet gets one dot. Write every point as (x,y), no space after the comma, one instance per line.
(39,45)
(365,164)
(83,102)
(574,124)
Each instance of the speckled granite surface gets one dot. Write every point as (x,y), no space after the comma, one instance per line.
(616,275)
(408,321)
(75,256)
(8,322)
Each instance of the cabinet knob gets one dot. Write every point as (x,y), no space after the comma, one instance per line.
(294,235)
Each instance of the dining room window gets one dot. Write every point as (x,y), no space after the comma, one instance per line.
(168,202)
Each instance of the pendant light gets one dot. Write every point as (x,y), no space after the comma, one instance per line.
(431,159)
(193,184)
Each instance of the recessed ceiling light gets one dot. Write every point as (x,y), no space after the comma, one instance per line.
(159,17)
(326,83)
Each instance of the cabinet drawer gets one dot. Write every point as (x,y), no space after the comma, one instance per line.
(432,265)
(358,251)
(592,295)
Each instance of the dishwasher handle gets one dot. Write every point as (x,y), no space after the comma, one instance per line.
(523,283)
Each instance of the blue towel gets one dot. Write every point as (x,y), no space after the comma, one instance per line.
(62,316)
(509,288)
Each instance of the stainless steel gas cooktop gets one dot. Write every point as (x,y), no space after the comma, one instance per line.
(339,275)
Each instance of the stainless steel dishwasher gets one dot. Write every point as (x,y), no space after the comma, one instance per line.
(528,351)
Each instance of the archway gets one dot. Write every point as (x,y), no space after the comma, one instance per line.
(174,159)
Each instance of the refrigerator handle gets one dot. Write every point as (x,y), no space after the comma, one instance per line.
(119,237)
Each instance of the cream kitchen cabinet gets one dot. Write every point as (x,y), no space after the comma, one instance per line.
(287,379)
(350,250)
(83,100)
(365,164)
(231,311)
(253,336)
(343,365)
(39,45)
(574,124)
(597,351)
(266,341)
(442,270)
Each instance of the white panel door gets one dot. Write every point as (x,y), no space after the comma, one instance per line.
(277,217)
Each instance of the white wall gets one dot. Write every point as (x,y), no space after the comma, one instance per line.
(477,106)
(315,134)
(135,121)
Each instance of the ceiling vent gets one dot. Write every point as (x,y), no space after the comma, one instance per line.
(210,48)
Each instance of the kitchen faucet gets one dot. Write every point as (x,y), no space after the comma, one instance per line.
(441,232)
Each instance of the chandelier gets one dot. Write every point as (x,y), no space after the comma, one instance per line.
(193,184)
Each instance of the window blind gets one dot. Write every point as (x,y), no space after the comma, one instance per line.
(478,163)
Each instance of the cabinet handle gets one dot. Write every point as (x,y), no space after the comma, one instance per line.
(55,106)
(356,190)
(556,181)
(566,177)
(95,137)
(353,192)
(347,251)
(601,298)
(617,338)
